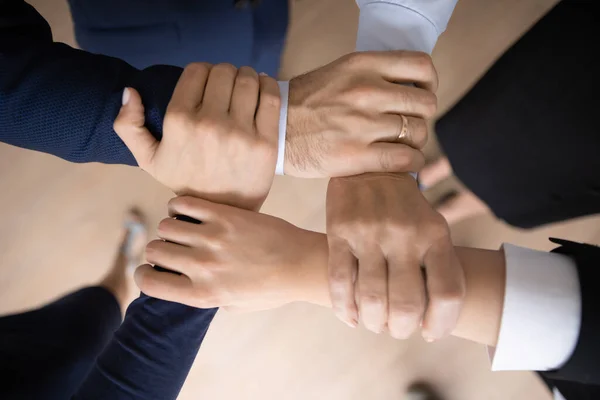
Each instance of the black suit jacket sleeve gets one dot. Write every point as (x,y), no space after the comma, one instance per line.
(525,139)
(579,377)
(63,101)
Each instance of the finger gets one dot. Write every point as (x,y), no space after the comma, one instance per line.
(199,209)
(446,290)
(185,233)
(406,100)
(129,125)
(389,157)
(408,130)
(372,290)
(436,172)
(189,90)
(408,67)
(342,273)
(171,256)
(269,105)
(219,88)
(244,98)
(163,285)
(406,294)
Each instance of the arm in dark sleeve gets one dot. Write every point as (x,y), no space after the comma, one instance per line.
(584,364)
(151,353)
(63,101)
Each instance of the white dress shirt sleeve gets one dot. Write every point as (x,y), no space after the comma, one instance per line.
(542,311)
(402,24)
(284,87)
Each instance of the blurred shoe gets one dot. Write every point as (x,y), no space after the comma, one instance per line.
(422,391)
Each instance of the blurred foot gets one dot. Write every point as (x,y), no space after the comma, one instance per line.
(119,280)
(421,391)
(434,173)
(461,205)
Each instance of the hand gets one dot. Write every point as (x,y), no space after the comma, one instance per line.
(381,232)
(234,258)
(220,135)
(344,118)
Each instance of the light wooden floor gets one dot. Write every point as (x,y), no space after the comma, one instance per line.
(60,223)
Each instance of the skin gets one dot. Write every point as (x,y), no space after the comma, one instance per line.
(381,233)
(343,119)
(250,261)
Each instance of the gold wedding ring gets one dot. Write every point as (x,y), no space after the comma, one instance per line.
(404,131)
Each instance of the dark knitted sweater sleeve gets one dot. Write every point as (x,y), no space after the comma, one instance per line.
(63,101)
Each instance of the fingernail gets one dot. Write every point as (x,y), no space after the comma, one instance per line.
(429,339)
(263,74)
(126,96)
(351,322)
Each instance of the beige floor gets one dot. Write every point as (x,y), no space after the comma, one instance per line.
(60,223)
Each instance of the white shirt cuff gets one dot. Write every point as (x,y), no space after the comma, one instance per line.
(542,311)
(284,87)
(402,24)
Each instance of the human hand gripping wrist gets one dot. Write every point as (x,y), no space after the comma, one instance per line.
(382,232)
(220,135)
(347,117)
(235,258)
(250,261)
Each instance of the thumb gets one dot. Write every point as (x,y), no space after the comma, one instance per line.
(129,125)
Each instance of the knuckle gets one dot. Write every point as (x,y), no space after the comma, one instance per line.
(387,161)
(424,60)
(226,67)
(429,104)
(355,59)
(339,278)
(373,299)
(210,125)
(398,161)
(398,228)
(270,100)
(247,81)
(420,135)
(449,297)
(452,294)
(437,226)
(406,311)
(197,67)
(360,95)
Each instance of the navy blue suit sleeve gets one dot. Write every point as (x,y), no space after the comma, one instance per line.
(151,353)
(63,101)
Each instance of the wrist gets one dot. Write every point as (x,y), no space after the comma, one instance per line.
(485,275)
(310,275)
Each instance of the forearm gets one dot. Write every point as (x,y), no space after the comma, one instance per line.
(63,101)
(481,314)
(151,353)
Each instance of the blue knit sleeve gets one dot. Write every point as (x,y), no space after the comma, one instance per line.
(63,101)
(151,353)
